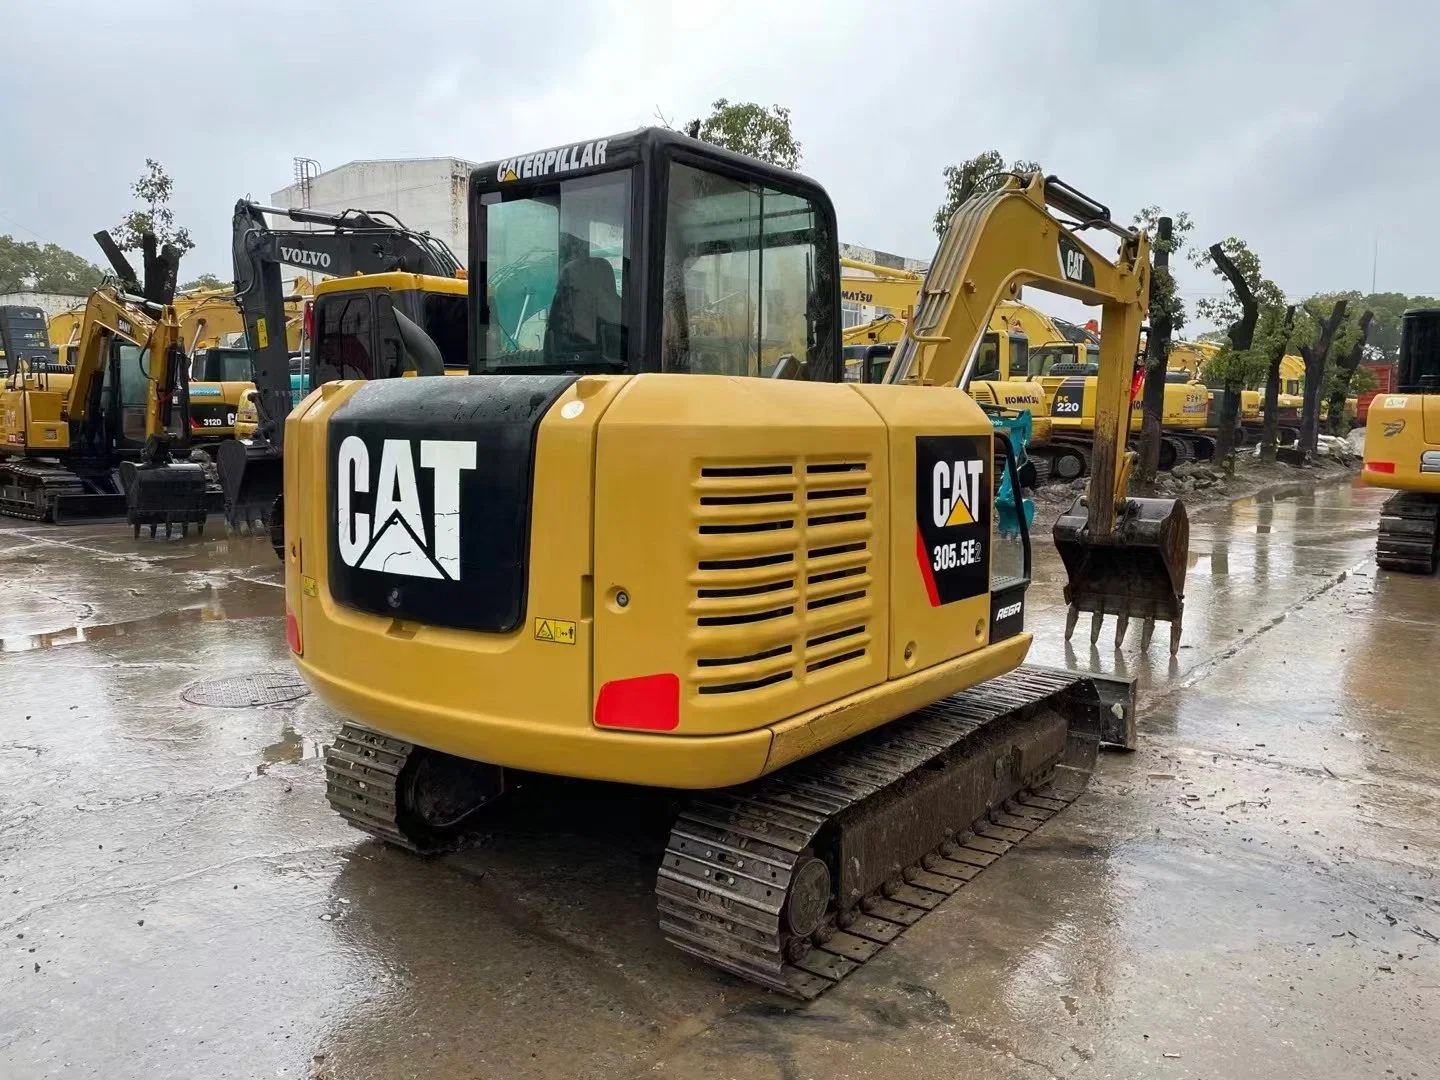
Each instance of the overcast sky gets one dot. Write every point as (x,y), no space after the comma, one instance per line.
(1305,127)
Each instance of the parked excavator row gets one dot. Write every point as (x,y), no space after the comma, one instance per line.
(76,446)
(828,650)
(1402,450)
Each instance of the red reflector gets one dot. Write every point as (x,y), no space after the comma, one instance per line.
(292,632)
(649,703)
(1380,466)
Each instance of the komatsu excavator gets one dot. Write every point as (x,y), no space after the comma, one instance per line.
(776,589)
(389,281)
(73,448)
(1402,450)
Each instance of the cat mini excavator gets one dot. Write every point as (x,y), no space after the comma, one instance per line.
(389,281)
(1402,450)
(776,589)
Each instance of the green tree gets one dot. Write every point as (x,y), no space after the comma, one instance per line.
(1224,309)
(154,189)
(28,267)
(750,129)
(986,171)
(204,281)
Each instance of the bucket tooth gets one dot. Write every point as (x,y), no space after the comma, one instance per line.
(1147,631)
(1176,626)
(1097,619)
(1072,616)
(1134,570)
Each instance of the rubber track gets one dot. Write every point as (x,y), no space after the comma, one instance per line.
(362,770)
(47,481)
(723,882)
(1409,533)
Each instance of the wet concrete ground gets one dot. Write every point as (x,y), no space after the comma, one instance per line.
(1252,894)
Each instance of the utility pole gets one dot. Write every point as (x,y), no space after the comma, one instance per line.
(1374,260)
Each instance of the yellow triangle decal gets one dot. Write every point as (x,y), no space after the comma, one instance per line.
(543,631)
(959,515)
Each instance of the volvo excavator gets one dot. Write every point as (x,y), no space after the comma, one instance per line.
(82,447)
(777,590)
(1402,450)
(389,282)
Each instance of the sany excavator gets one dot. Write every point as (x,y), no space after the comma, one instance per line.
(90,446)
(390,282)
(1402,450)
(777,589)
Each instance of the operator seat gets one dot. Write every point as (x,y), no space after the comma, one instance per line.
(585,314)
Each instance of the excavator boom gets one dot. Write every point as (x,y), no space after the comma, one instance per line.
(1124,556)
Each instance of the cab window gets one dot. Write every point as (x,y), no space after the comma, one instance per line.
(342,337)
(556,263)
(741,287)
(987,359)
(446,320)
(1019,355)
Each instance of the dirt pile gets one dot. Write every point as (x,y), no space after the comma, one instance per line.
(1203,483)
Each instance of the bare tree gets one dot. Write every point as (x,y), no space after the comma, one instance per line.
(1242,336)
(1345,371)
(1271,437)
(1315,356)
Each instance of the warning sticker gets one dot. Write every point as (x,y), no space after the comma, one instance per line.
(262,334)
(560,631)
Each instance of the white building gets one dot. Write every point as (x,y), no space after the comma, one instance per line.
(50,303)
(426,194)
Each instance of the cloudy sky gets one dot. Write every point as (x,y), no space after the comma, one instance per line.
(1305,127)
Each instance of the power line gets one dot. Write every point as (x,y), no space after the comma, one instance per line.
(27,228)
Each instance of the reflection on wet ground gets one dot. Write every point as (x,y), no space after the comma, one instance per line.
(1252,894)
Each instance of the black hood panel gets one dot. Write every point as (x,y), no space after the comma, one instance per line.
(429,497)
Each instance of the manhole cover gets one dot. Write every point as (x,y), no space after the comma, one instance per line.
(247,691)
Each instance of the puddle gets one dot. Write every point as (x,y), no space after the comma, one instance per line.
(291,749)
(218,607)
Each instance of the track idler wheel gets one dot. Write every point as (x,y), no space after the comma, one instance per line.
(1136,571)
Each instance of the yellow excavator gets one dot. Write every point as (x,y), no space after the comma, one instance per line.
(1402,450)
(777,589)
(1064,359)
(83,447)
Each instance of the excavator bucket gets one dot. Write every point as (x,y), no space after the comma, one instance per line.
(1136,571)
(168,493)
(252,478)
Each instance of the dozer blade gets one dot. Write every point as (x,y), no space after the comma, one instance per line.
(1135,572)
(252,478)
(172,493)
(81,509)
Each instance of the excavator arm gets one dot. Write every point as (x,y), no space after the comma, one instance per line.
(340,245)
(1124,556)
(879,286)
